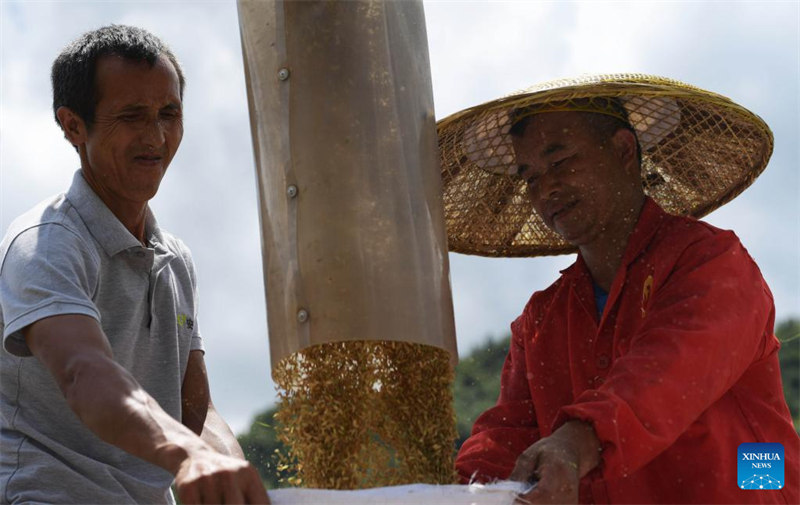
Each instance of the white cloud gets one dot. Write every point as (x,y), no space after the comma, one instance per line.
(480,51)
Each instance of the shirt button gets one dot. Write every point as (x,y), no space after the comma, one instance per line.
(603,361)
(598,381)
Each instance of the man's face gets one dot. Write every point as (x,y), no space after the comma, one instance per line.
(137,128)
(579,184)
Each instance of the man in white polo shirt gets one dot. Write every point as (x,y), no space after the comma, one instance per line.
(104,391)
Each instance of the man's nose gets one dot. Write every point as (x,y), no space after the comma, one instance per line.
(153,133)
(548,185)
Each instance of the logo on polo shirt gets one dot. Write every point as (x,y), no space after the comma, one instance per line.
(185,321)
(760,466)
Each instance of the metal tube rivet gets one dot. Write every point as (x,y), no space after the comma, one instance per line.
(302,316)
(283,74)
(291,191)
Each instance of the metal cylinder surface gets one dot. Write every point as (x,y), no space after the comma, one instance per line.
(353,237)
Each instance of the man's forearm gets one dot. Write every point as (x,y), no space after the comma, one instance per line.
(121,413)
(218,435)
(109,401)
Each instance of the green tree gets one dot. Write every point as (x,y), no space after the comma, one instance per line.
(788,332)
(477,383)
(261,448)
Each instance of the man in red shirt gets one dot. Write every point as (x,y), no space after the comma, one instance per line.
(635,377)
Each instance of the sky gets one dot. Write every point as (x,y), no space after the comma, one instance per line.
(479,50)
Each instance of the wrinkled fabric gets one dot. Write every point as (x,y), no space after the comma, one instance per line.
(680,369)
(500,493)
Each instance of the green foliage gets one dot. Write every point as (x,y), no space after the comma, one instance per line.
(476,387)
(788,332)
(261,447)
(477,383)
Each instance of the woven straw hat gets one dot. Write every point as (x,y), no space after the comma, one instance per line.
(699,151)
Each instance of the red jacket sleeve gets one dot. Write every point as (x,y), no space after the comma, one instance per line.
(504,431)
(710,320)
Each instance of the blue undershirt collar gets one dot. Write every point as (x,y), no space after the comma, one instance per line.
(600,299)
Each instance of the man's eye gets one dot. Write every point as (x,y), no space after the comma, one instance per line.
(170,115)
(131,117)
(559,162)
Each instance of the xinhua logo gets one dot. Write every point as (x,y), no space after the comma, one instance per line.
(760,466)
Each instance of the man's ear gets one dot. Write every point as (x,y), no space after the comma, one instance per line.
(72,125)
(624,142)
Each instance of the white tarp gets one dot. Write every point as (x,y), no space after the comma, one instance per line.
(500,493)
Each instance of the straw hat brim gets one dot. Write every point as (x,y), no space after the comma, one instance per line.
(699,151)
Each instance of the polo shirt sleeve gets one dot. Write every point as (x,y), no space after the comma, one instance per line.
(197,340)
(47,271)
(503,432)
(707,323)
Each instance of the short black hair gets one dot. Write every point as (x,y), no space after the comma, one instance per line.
(73,72)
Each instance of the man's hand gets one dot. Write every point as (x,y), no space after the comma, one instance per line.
(557,464)
(210,477)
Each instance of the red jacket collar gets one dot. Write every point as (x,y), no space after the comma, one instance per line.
(650,219)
